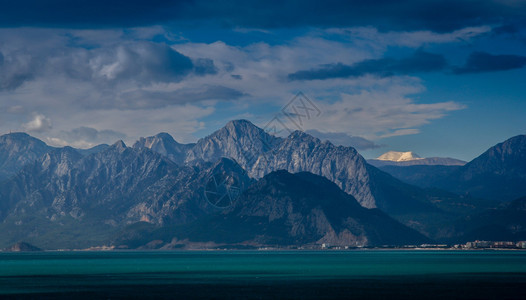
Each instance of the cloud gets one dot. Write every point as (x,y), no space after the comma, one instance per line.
(480,62)
(382,110)
(344,139)
(85,137)
(39,124)
(399,132)
(143,62)
(204,66)
(129,62)
(435,15)
(144,99)
(420,62)
(107,80)
(15,71)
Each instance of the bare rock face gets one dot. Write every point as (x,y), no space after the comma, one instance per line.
(239,140)
(301,152)
(164,144)
(17,150)
(117,186)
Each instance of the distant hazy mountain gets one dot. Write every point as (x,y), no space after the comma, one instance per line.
(20,149)
(425,176)
(394,158)
(17,150)
(499,173)
(299,209)
(399,156)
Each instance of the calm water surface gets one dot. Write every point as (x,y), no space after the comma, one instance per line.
(265,275)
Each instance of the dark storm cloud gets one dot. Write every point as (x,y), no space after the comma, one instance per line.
(204,66)
(140,62)
(13,73)
(420,61)
(147,62)
(479,62)
(436,15)
(141,99)
(343,139)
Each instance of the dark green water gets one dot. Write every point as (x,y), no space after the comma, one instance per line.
(265,275)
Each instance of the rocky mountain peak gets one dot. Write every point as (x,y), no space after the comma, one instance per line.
(301,135)
(240,124)
(119,146)
(17,150)
(501,158)
(240,140)
(164,144)
(165,136)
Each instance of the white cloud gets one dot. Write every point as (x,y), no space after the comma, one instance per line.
(39,123)
(381,111)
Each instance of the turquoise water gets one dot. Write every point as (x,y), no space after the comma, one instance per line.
(252,274)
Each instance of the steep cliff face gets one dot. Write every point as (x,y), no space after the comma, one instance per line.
(17,150)
(301,152)
(299,209)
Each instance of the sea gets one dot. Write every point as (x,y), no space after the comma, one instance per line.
(353,274)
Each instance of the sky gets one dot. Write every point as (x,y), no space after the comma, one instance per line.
(440,78)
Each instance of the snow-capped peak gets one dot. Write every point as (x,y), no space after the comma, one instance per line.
(399,156)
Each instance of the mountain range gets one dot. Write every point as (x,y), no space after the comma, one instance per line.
(409,158)
(289,191)
(499,173)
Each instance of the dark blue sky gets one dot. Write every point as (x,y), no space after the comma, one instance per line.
(441,78)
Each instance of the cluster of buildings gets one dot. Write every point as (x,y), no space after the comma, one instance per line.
(492,245)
